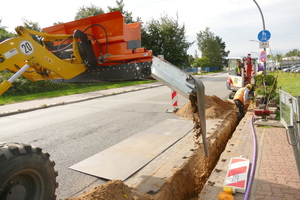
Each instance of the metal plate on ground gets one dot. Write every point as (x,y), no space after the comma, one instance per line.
(125,158)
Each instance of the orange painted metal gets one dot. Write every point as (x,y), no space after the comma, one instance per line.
(249,69)
(110,31)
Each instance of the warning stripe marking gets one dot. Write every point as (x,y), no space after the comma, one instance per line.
(236,171)
(174,98)
(237,174)
(238,164)
(237,160)
(240,184)
(174,93)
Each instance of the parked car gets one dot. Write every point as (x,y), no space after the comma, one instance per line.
(297,70)
(289,68)
(286,69)
(297,66)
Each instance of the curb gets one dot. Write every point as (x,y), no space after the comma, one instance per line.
(17,108)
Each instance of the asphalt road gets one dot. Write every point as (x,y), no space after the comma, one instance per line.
(74,132)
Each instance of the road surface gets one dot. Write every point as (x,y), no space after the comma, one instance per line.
(74,132)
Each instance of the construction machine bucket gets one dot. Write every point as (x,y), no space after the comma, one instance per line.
(171,76)
(185,84)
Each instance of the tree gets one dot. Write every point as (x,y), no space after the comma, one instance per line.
(277,57)
(92,10)
(212,47)
(166,37)
(27,24)
(294,52)
(127,15)
(202,62)
(56,23)
(191,60)
(4,34)
(223,53)
(33,26)
(88,11)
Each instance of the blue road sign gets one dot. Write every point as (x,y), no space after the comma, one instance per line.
(264,35)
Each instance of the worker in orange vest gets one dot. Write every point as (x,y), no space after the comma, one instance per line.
(240,99)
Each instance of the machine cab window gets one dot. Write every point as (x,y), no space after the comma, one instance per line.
(235,66)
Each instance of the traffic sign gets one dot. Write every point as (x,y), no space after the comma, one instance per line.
(237,174)
(264,45)
(263,56)
(264,35)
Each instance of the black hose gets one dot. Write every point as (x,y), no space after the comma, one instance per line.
(106,36)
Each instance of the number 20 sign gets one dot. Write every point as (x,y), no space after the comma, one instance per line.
(26,47)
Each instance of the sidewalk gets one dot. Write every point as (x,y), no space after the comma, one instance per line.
(276,175)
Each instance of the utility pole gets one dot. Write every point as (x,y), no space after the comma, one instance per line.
(264,28)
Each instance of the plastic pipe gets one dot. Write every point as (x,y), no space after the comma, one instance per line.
(254,157)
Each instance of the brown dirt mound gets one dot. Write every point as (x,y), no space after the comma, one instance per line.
(114,189)
(215,108)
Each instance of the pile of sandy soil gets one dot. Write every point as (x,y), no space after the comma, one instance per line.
(215,108)
(114,189)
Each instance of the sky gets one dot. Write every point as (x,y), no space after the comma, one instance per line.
(235,21)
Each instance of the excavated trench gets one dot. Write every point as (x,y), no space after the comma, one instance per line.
(187,181)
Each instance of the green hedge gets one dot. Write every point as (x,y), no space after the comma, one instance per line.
(24,86)
(260,89)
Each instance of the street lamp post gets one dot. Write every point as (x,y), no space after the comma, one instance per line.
(255,53)
(264,28)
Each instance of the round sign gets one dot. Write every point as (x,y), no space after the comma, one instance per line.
(26,47)
(264,35)
(263,56)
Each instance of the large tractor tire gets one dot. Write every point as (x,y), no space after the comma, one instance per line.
(26,173)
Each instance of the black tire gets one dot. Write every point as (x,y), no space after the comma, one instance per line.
(26,173)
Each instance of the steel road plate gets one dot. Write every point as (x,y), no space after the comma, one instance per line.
(125,158)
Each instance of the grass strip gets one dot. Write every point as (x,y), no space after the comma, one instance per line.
(71,89)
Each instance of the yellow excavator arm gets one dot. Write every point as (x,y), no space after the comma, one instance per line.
(27,57)
(94,49)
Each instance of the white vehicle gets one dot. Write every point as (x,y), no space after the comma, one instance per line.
(240,77)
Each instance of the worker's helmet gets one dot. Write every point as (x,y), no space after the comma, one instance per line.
(260,73)
(249,86)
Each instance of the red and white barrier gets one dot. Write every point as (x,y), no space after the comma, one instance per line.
(237,174)
(174,97)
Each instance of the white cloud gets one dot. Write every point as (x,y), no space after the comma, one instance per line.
(235,21)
